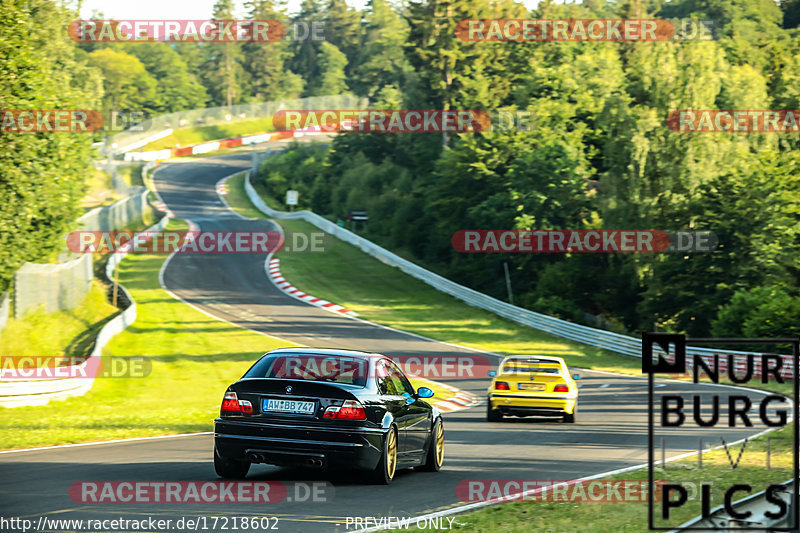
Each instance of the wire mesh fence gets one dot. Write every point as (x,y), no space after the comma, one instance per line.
(52,287)
(149,130)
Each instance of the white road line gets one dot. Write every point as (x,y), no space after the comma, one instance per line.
(98,443)
(514,497)
(193,306)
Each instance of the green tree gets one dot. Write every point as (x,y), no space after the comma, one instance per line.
(267,63)
(381,62)
(343,28)
(759,312)
(42,175)
(304,54)
(332,63)
(791,13)
(223,74)
(177,87)
(128,85)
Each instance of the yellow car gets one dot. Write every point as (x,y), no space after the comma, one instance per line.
(532,386)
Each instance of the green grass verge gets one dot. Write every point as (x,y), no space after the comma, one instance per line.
(99,190)
(132,174)
(65,333)
(237,197)
(201,134)
(194,357)
(382,294)
(591,517)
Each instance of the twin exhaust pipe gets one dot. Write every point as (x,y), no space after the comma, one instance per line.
(314,462)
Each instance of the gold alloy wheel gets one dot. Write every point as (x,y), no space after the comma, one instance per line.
(391,453)
(440,444)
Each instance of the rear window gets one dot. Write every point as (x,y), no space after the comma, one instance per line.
(312,367)
(531,366)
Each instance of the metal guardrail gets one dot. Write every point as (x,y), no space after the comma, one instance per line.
(719,520)
(607,340)
(19,393)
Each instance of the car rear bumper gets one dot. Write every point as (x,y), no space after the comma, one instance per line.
(517,404)
(310,446)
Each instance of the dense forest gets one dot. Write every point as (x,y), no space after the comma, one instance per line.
(599,155)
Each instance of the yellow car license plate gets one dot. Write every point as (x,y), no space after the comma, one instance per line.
(531,386)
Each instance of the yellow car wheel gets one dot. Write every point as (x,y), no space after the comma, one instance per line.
(493,415)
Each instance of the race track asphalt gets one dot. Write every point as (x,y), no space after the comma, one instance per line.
(610,432)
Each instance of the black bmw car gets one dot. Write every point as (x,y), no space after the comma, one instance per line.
(327,409)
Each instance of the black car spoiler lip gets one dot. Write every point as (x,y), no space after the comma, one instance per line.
(340,429)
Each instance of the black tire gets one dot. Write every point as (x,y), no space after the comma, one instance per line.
(228,468)
(493,415)
(435,456)
(570,418)
(387,465)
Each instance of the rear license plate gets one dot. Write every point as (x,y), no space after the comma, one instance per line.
(273,405)
(531,386)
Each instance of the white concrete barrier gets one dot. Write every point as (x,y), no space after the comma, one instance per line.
(15,392)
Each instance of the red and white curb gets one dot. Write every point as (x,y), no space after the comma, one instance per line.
(222,186)
(277,278)
(462,400)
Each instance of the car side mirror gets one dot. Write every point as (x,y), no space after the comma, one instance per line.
(492,373)
(576,376)
(424,392)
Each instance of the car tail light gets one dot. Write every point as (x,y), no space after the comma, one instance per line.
(501,385)
(561,388)
(349,410)
(232,404)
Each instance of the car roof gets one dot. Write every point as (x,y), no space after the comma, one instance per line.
(325,351)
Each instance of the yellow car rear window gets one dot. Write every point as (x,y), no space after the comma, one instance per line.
(532,368)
